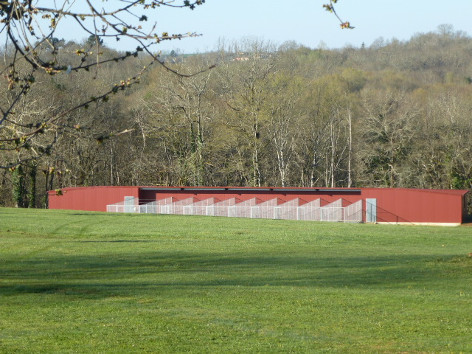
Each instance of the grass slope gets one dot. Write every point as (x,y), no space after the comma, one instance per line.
(94,282)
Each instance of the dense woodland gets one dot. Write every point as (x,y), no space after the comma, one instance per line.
(392,114)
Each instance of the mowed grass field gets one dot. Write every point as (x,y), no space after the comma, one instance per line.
(74,281)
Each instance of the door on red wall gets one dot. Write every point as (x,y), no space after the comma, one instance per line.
(371,210)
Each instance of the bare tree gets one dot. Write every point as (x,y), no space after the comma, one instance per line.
(177,109)
(248,67)
(387,136)
(32,50)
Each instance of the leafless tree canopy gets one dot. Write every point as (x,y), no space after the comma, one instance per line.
(32,49)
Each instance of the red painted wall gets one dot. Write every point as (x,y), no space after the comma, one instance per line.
(393,204)
(417,205)
(90,198)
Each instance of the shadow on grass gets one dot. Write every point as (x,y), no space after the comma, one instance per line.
(99,276)
(119,241)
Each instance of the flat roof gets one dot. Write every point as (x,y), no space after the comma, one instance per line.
(251,189)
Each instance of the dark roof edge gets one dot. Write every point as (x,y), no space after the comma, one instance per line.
(246,189)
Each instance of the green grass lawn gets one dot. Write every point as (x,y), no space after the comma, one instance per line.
(94,282)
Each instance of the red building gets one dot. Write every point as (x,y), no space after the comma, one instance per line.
(381,205)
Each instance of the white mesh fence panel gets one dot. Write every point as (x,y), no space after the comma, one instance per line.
(165,206)
(243,209)
(161,206)
(332,211)
(310,211)
(222,208)
(148,208)
(129,205)
(116,208)
(291,210)
(203,207)
(288,210)
(181,207)
(333,214)
(353,212)
(264,210)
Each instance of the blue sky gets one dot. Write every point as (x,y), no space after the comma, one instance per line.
(306,22)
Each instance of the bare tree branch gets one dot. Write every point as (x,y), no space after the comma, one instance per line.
(32,50)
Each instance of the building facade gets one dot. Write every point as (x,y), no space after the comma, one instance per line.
(377,205)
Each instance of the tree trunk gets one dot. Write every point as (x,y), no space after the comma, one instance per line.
(32,191)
